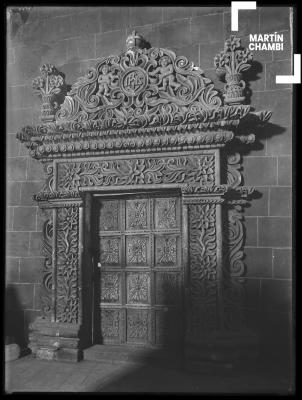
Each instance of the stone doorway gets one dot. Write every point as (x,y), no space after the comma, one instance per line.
(138,271)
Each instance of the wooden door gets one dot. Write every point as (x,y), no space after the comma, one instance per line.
(140,265)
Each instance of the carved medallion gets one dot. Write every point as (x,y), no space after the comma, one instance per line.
(110,323)
(110,250)
(136,214)
(110,287)
(165,214)
(166,250)
(109,216)
(134,81)
(138,288)
(137,325)
(137,250)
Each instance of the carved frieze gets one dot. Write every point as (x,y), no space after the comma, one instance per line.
(165,213)
(199,169)
(48,85)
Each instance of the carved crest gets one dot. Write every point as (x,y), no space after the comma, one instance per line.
(141,87)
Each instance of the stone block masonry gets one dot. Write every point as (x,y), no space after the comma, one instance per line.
(74,38)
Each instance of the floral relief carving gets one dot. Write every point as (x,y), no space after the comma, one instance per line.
(47,273)
(138,288)
(137,324)
(140,87)
(67,264)
(203,267)
(49,84)
(110,287)
(137,214)
(165,214)
(110,250)
(110,323)
(166,250)
(199,169)
(137,250)
(230,64)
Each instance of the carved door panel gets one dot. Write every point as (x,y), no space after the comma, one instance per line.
(141,270)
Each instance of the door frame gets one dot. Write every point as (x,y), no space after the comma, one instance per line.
(91,294)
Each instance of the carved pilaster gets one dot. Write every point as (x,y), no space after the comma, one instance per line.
(67,260)
(47,274)
(203,285)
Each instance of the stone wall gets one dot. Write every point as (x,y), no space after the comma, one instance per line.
(73,39)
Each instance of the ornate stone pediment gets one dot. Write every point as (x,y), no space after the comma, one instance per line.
(141,100)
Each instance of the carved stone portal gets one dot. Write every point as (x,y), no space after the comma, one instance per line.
(144,234)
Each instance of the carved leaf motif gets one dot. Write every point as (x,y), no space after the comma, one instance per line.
(109,216)
(137,214)
(67,264)
(110,323)
(137,250)
(203,267)
(166,250)
(110,287)
(47,274)
(165,217)
(138,288)
(195,169)
(137,324)
(110,248)
(139,87)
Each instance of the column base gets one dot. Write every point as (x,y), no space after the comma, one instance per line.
(55,341)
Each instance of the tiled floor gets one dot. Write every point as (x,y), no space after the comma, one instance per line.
(31,375)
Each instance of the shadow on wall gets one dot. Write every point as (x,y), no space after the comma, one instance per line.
(14,319)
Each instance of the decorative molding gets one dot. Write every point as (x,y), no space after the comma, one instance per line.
(229,65)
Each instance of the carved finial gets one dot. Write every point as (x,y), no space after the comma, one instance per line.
(135,40)
(48,85)
(230,64)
